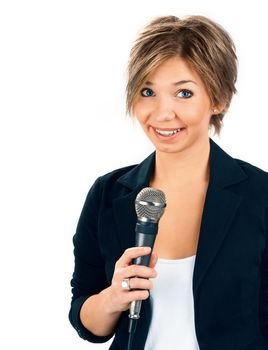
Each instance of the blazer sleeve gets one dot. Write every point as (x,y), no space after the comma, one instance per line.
(264,285)
(89,276)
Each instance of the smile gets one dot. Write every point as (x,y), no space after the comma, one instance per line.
(168,132)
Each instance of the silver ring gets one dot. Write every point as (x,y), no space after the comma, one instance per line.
(125,284)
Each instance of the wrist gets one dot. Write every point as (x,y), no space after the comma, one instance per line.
(107,303)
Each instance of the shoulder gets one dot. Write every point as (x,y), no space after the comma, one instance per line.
(257,179)
(104,190)
(252,171)
(129,178)
(112,176)
(110,182)
(108,186)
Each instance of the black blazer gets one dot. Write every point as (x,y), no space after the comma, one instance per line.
(230,279)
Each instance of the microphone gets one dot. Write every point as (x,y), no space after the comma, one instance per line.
(150,204)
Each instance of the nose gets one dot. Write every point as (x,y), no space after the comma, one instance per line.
(164,110)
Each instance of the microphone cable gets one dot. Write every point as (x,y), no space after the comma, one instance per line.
(131,330)
(130,339)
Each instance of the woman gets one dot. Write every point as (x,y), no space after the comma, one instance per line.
(208,276)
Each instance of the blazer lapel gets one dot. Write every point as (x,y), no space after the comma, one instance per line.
(219,211)
(221,205)
(125,217)
(124,206)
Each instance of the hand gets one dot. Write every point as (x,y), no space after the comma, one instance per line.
(119,299)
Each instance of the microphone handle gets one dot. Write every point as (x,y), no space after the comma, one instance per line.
(144,240)
(145,237)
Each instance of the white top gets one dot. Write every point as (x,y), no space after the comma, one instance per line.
(172,325)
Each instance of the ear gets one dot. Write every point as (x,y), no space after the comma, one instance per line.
(215,110)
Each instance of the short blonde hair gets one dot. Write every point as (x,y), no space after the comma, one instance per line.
(204,44)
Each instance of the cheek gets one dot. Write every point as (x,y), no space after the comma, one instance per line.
(140,112)
(196,114)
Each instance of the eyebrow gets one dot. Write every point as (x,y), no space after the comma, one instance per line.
(175,84)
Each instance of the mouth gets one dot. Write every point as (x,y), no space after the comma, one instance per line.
(168,132)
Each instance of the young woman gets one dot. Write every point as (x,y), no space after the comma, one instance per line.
(208,277)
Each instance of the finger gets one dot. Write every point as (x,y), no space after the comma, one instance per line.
(132,253)
(136,295)
(140,283)
(136,271)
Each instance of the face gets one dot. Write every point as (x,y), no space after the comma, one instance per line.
(173,107)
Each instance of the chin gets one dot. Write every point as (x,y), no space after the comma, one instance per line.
(169,149)
(176,147)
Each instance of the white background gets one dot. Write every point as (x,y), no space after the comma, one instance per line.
(62,81)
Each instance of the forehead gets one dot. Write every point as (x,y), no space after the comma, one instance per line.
(173,70)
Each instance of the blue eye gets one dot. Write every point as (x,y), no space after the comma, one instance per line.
(185,93)
(146,92)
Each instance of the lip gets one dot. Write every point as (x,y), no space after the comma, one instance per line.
(167,137)
(168,129)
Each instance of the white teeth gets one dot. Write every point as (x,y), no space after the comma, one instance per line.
(167,132)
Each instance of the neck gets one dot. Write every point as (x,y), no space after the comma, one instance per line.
(187,167)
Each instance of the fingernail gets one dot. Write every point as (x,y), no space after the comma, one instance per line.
(147,248)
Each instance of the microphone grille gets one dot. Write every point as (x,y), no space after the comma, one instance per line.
(150,204)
